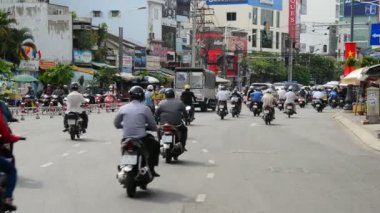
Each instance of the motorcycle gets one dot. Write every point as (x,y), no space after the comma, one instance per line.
(133,170)
(341,103)
(222,110)
(45,100)
(99,99)
(268,115)
(280,104)
(27,103)
(302,102)
(235,111)
(334,103)
(189,117)
(318,104)
(110,102)
(289,109)
(75,123)
(256,109)
(171,147)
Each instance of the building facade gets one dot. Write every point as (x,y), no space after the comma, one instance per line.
(48,24)
(264,21)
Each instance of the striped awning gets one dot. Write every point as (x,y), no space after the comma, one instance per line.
(84,70)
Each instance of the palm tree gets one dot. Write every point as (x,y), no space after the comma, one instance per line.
(5,31)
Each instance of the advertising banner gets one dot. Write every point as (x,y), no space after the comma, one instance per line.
(140,58)
(361,8)
(292,19)
(29,65)
(169,37)
(82,56)
(220,2)
(183,8)
(153,62)
(127,63)
(237,43)
(169,10)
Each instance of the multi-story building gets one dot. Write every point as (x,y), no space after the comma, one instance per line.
(48,24)
(264,21)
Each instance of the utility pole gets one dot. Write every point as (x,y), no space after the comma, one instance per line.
(194,32)
(290,63)
(121,49)
(352,20)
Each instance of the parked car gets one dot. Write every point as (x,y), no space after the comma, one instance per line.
(279,85)
(265,86)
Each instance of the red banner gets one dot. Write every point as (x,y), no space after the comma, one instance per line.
(349,52)
(292,19)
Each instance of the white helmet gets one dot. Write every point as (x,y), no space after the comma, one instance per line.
(149,87)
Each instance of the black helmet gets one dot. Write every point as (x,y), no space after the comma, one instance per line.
(136,93)
(169,93)
(74,86)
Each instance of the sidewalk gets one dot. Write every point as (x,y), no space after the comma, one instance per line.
(368,134)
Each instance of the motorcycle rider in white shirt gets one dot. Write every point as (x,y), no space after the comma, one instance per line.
(223,95)
(290,98)
(74,101)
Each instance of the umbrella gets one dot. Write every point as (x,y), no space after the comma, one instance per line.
(24,79)
(354,77)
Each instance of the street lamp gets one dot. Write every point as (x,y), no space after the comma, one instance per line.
(121,39)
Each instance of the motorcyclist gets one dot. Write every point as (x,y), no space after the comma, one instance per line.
(149,98)
(333,95)
(48,90)
(31,92)
(319,95)
(90,94)
(290,98)
(223,95)
(281,94)
(256,98)
(59,92)
(135,118)
(158,95)
(235,93)
(172,111)
(66,89)
(268,100)
(187,97)
(74,101)
(302,93)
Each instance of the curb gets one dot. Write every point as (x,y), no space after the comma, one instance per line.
(363,134)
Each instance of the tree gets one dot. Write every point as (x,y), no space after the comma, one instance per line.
(5,69)
(5,31)
(85,39)
(101,53)
(266,67)
(59,75)
(105,77)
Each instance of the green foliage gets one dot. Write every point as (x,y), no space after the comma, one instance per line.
(351,62)
(266,67)
(5,68)
(58,75)
(85,39)
(105,77)
(101,53)
(367,61)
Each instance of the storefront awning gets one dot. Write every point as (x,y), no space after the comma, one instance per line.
(354,77)
(84,70)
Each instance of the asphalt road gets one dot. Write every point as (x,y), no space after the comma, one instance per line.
(308,163)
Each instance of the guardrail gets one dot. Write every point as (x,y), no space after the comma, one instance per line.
(52,111)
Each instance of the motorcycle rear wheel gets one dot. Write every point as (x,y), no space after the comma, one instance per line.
(168,156)
(130,184)
(72,135)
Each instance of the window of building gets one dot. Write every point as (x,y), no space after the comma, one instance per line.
(254,16)
(267,17)
(277,40)
(97,13)
(231,16)
(115,13)
(254,37)
(278,19)
(266,39)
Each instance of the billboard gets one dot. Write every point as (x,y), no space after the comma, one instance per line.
(140,58)
(127,64)
(292,19)
(183,8)
(82,56)
(152,62)
(169,37)
(363,8)
(169,12)
(270,4)
(221,2)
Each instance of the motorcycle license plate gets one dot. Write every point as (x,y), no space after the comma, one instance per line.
(266,111)
(167,138)
(129,160)
(233,105)
(318,105)
(221,106)
(289,107)
(254,106)
(188,108)
(71,122)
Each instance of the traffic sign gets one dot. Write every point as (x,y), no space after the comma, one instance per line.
(375,34)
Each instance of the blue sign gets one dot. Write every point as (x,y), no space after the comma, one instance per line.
(375,34)
(270,4)
(363,8)
(224,2)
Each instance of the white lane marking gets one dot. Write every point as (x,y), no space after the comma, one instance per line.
(254,124)
(205,150)
(81,152)
(46,165)
(76,145)
(201,198)
(210,175)
(211,161)
(194,141)
(65,154)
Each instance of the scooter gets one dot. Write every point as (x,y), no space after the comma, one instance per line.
(289,109)
(171,147)
(318,105)
(235,111)
(268,115)
(75,123)
(189,117)
(222,110)
(256,109)
(302,102)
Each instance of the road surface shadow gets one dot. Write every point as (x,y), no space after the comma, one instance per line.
(160,196)
(89,140)
(188,163)
(23,182)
